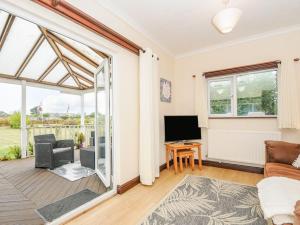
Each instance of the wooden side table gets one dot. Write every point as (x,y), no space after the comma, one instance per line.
(174,147)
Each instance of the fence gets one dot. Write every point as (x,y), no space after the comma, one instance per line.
(61,132)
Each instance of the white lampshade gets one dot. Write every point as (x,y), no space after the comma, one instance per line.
(227,19)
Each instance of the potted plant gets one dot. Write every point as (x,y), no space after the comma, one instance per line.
(80,138)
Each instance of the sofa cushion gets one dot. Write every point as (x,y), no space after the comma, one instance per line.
(281,170)
(57,150)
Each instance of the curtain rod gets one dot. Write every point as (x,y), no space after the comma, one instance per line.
(152,54)
(242,69)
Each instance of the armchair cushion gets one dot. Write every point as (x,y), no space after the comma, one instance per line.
(57,150)
(65,143)
(281,152)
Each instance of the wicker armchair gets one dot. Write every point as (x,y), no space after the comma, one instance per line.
(101,144)
(50,153)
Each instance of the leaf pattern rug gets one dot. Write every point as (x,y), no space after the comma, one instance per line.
(204,201)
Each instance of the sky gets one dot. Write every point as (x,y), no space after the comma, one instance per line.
(52,101)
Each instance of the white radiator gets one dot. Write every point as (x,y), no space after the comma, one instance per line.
(239,145)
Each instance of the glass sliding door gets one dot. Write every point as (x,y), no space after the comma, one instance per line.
(103,138)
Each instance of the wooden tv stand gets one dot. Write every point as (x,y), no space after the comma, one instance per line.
(174,147)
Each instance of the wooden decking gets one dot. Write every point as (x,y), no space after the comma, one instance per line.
(24,188)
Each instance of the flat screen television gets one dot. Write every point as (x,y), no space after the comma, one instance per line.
(180,128)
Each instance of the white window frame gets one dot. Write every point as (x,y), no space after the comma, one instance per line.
(225,78)
(233,79)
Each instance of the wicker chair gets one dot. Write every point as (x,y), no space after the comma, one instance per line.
(101,144)
(50,153)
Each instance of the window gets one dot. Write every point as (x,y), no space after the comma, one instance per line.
(251,94)
(220,92)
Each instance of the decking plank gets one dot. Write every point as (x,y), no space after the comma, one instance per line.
(25,189)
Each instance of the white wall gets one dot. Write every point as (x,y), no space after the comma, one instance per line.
(166,69)
(257,51)
(126,80)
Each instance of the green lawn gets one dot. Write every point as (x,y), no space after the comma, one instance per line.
(9,137)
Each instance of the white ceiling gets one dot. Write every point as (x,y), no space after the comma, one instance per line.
(183,26)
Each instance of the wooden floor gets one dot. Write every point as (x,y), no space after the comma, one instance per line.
(131,207)
(25,188)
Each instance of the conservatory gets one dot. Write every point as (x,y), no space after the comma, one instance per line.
(55,115)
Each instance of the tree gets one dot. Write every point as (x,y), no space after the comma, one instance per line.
(268,102)
(15,120)
(46,115)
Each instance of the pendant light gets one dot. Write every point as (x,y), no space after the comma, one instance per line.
(226,19)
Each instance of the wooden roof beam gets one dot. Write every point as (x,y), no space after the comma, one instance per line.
(83,78)
(30,55)
(72,49)
(78,66)
(36,82)
(62,80)
(59,55)
(101,54)
(49,69)
(84,86)
(8,24)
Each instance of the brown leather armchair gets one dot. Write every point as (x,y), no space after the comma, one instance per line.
(279,158)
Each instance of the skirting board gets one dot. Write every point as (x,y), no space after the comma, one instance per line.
(130,184)
(249,169)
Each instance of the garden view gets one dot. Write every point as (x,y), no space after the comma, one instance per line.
(47,111)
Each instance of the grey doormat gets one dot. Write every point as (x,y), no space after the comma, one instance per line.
(65,205)
(204,201)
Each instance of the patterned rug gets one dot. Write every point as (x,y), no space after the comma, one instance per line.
(204,201)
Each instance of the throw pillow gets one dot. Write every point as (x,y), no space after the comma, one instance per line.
(296,163)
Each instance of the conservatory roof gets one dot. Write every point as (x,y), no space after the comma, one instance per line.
(35,54)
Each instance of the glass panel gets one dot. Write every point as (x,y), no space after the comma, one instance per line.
(89,108)
(103,126)
(58,72)
(10,121)
(83,49)
(220,96)
(76,59)
(70,82)
(41,60)
(3,18)
(51,111)
(20,40)
(257,94)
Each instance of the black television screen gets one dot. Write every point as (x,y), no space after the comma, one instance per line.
(179,128)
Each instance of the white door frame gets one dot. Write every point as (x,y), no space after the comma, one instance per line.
(36,14)
(104,66)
